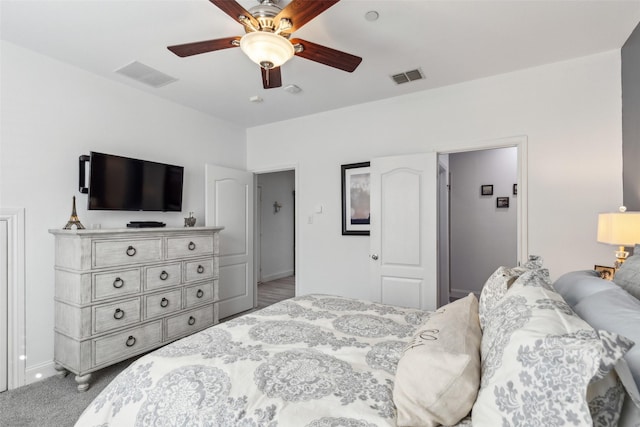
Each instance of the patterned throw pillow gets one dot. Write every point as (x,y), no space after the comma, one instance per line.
(438,375)
(498,284)
(538,358)
(534,262)
(494,290)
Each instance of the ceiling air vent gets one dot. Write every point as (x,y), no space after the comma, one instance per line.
(408,76)
(145,74)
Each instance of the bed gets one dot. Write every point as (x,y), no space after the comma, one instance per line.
(519,355)
(315,360)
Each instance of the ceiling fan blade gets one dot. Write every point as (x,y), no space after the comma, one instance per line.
(271,78)
(299,12)
(327,56)
(189,49)
(234,10)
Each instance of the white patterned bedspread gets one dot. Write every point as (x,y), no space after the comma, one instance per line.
(311,361)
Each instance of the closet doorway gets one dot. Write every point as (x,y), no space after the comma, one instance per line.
(275,231)
(482,208)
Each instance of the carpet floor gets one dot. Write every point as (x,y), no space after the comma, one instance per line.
(55,401)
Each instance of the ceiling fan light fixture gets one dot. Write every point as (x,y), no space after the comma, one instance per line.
(266,49)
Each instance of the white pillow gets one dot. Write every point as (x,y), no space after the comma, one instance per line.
(438,375)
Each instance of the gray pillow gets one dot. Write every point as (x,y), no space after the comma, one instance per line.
(616,311)
(578,285)
(628,275)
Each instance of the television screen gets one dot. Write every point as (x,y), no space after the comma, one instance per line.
(122,183)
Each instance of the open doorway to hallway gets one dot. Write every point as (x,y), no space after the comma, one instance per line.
(275,248)
(478,218)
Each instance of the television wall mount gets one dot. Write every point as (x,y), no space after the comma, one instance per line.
(82,173)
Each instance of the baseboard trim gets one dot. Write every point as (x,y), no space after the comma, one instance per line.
(277,276)
(39,372)
(461,293)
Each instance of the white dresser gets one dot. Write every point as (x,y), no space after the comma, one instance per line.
(122,292)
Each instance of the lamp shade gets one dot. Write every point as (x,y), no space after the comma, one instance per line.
(619,228)
(266,49)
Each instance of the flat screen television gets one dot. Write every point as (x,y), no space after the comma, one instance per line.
(125,184)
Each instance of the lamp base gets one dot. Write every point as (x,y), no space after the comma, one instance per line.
(621,256)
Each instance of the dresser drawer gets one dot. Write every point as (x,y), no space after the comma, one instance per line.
(116,283)
(121,345)
(163,275)
(116,315)
(163,303)
(178,247)
(108,253)
(198,294)
(189,322)
(199,270)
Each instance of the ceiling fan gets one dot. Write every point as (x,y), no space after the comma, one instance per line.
(267,40)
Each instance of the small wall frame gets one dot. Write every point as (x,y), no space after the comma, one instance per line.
(486,190)
(502,202)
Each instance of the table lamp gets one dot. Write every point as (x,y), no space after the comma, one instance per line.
(620,229)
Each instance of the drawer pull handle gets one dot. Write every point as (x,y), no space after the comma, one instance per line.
(200,269)
(191,246)
(131,341)
(192,320)
(118,314)
(164,302)
(118,283)
(164,275)
(199,293)
(131,251)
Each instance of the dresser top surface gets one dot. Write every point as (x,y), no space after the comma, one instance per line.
(132,231)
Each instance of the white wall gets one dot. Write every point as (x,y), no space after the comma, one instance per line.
(51,114)
(569,112)
(483,236)
(276,243)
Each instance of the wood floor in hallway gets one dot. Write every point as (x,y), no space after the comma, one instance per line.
(270,293)
(276,290)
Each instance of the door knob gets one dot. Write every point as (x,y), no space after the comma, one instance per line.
(374,257)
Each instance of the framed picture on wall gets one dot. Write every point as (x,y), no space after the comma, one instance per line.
(355,178)
(515,189)
(486,190)
(502,202)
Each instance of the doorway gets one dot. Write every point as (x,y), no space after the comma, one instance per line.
(4,305)
(275,232)
(480,217)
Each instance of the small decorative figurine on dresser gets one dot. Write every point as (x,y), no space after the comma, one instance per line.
(190,221)
(74,220)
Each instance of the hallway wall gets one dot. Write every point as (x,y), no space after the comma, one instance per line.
(483,237)
(277,240)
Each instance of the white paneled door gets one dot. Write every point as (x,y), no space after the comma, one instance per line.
(404,224)
(229,203)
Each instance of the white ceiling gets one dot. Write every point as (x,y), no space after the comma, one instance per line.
(451,41)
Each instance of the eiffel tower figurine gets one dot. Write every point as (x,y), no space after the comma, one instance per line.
(74,220)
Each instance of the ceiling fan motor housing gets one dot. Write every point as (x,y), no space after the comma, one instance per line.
(264,14)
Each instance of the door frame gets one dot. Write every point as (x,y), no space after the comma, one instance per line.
(521,143)
(16,326)
(256,218)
